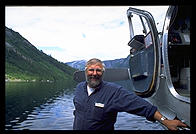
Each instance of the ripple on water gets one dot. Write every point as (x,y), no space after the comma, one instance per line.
(58,115)
(126,121)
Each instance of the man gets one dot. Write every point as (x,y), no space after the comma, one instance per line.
(97,102)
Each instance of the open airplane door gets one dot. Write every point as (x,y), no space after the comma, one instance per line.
(160,66)
(145,54)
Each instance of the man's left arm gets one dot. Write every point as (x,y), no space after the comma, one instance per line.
(170,124)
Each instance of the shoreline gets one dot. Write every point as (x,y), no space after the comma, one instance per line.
(19,80)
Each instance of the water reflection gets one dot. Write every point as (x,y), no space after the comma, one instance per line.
(55,116)
(23,98)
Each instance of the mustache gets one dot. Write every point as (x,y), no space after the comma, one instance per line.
(94,76)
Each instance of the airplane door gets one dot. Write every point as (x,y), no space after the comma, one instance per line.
(176,51)
(144,52)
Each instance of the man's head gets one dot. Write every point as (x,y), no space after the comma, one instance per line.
(94,70)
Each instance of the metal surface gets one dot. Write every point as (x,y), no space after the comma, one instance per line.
(169,102)
(165,57)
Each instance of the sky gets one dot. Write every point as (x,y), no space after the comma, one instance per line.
(70,33)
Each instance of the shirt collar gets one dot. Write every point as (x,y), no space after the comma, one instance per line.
(90,90)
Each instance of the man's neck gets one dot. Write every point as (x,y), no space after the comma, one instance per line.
(90,90)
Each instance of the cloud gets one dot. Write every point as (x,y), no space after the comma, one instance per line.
(113,24)
(83,35)
(74,32)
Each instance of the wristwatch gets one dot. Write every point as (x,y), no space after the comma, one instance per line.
(163,118)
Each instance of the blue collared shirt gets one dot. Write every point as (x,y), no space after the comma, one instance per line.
(99,110)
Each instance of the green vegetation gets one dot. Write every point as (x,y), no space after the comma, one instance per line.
(24,62)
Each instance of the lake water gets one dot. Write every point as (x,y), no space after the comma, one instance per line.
(49,106)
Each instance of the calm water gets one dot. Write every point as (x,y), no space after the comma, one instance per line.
(49,106)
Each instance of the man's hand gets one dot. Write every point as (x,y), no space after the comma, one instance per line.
(173,124)
(170,124)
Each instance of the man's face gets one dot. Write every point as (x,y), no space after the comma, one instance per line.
(94,75)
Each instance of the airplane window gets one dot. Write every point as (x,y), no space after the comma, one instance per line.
(148,40)
(146,25)
(137,25)
(141,29)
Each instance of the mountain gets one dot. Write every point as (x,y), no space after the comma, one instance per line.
(79,64)
(117,63)
(25,62)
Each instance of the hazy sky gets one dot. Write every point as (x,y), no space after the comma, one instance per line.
(71,33)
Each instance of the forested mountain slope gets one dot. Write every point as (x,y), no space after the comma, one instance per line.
(23,61)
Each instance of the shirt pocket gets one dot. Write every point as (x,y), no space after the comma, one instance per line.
(97,113)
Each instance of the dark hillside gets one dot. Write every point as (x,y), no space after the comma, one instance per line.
(24,62)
